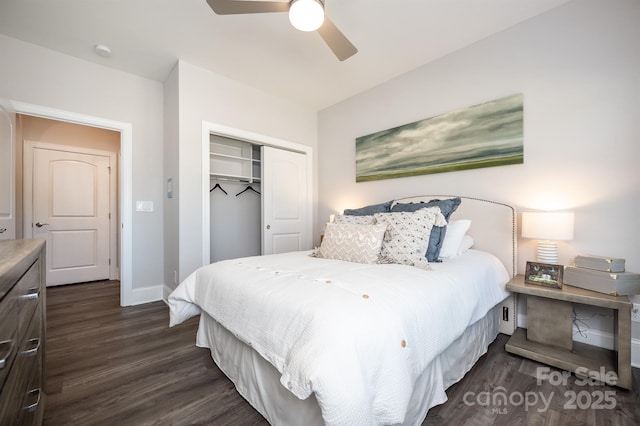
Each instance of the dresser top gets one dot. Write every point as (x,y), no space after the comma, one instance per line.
(15,258)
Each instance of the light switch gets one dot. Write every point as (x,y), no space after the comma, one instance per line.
(144,206)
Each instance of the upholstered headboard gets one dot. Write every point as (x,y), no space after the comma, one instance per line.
(493,225)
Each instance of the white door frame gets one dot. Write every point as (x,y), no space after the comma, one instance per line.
(27,193)
(126,181)
(10,232)
(209,128)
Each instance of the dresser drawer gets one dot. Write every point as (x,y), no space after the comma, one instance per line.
(32,406)
(22,332)
(28,296)
(18,402)
(8,333)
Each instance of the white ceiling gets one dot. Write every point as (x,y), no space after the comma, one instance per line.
(147,37)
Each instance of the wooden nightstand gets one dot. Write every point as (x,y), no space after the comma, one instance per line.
(549,336)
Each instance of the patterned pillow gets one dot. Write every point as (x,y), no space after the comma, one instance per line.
(408,235)
(353,243)
(354,220)
(447,207)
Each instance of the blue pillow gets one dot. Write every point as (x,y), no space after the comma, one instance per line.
(369,210)
(447,207)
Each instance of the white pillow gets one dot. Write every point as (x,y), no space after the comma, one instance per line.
(456,230)
(353,243)
(466,244)
(408,235)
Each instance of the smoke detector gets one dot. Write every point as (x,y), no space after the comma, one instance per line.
(103,50)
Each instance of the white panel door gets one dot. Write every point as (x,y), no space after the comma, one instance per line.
(285,198)
(71,211)
(7,206)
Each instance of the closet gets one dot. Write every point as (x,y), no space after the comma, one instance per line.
(259,199)
(235,198)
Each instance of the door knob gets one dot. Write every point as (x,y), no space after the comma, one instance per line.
(2,230)
(40,225)
(268,226)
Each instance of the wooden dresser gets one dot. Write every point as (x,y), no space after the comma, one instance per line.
(22,331)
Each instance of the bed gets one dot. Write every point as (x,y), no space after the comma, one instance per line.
(310,340)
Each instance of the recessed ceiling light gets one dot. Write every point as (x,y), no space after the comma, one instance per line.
(103,50)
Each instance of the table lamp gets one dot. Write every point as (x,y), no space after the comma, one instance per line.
(547,228)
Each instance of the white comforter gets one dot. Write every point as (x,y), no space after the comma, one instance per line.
(356,335)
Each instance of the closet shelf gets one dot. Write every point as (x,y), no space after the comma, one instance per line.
(236,178)
(234,157)
(234,160)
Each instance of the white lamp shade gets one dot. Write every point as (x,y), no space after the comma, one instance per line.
(306,15)
(553,226)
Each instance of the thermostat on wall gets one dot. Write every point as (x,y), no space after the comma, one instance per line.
(170,187)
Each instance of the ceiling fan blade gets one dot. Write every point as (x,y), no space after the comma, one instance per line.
(337,42)
(231,7)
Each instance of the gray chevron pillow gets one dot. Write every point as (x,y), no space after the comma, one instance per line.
(353,243)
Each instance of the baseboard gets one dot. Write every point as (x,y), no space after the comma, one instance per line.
(166,291)
(150,294)
(139,296)
(602,339)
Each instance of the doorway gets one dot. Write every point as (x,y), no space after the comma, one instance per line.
(125,203)
(127,295)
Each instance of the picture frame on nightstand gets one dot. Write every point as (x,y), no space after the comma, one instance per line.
(544,274)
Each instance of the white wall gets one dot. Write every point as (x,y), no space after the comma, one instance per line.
(578,68)
(205,96)
(42,77)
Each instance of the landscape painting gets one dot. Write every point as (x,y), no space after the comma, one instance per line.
(484,135)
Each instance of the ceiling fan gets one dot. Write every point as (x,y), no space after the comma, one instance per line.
(305,15)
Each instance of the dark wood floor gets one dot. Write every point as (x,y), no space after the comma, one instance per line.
(108,365)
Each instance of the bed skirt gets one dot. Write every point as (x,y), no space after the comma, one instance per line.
(259,382)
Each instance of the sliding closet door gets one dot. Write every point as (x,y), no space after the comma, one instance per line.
(284,201)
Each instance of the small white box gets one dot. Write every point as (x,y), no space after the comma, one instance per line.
(599,263)
(613,283)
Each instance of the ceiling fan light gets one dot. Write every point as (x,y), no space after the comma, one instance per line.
(306,15)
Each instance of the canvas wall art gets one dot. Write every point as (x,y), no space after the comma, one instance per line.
(484,135)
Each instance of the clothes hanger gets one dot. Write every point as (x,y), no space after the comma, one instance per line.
(217,185)
(248,188)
